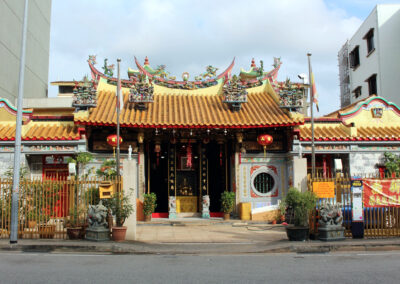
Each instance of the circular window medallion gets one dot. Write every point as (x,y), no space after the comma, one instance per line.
(264,182)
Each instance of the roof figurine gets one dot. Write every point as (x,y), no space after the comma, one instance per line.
(108,69)
(253,64)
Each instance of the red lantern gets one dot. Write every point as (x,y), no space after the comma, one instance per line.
(112,141)
(265,140)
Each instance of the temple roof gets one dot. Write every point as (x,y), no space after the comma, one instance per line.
(370,119)
(338,132)
(41,131)
(175,108)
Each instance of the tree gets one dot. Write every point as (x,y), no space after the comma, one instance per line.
(392,163)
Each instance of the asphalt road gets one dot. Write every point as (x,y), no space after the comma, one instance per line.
(380,267)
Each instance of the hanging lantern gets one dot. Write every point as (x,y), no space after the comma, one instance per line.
(113,142)
(264,140)
(189,155)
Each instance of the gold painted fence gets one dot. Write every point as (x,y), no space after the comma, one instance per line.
(379,221)
(48,206)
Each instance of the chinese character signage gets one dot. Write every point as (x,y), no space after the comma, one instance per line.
(357,205)
(381,193)
(324,189)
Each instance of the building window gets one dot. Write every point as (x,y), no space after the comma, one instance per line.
(263,183)
(357,92)
(372,85)
(355,57)
(369,37)
(65,89)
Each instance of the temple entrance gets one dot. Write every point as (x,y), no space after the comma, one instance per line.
(217,173)
(187,174)
(157,169)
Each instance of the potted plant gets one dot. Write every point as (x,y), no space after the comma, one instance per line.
(73,224)
(227,203)
(149,205)
(301,203)
(282,211)
(121,207)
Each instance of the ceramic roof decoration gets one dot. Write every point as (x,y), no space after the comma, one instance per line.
(210,101)
(291,95)
(85,93)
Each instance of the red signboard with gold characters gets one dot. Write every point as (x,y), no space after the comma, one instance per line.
(381,193)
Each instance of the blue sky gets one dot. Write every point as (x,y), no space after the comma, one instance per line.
(187,36)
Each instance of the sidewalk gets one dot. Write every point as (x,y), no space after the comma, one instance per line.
(203,238)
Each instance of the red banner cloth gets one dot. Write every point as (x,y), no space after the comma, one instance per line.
(381,192)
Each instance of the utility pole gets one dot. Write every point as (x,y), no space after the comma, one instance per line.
(312,117)
(118,149)
(118,114)
(17,144)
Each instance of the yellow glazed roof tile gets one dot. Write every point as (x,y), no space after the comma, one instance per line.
(187,110)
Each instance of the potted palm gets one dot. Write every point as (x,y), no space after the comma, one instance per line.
(121,207)
(227,203)
(149,205)
(301,204)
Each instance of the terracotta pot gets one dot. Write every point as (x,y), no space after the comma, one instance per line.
(147,218)
(118,234)
(273,222)
(227,216)
(74,233)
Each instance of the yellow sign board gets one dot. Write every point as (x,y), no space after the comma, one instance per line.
(324,189)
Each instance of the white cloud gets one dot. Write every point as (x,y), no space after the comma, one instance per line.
(189,35)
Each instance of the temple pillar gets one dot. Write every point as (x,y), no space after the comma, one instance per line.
(130,188)
(205,201)
(300,173)
(172,182)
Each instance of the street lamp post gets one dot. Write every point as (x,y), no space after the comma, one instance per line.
(17,145)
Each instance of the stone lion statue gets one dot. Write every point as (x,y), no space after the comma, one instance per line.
(97,215)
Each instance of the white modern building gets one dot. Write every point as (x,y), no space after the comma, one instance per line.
(369,62)
(37,48)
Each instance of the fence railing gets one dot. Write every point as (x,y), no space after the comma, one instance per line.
(47,206)
(380,221)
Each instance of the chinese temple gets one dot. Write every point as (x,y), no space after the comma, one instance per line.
(191,140)
(194,139)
